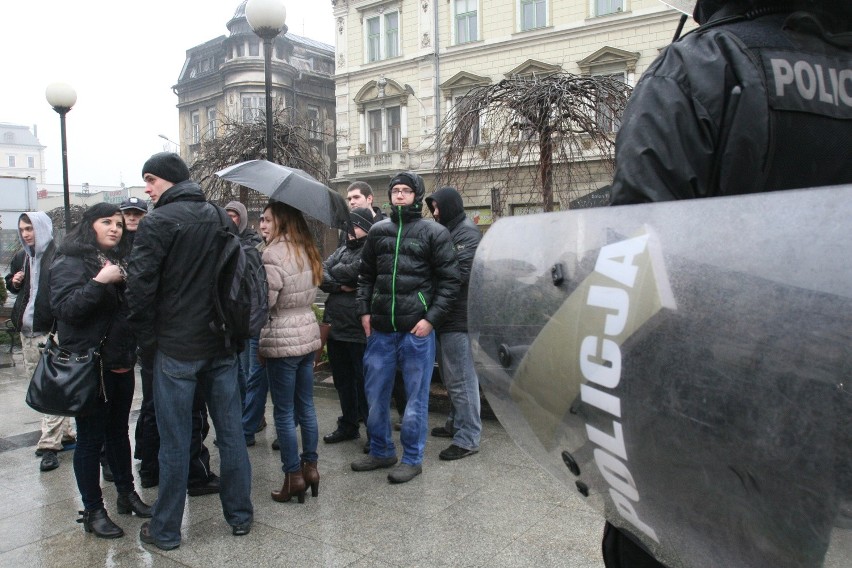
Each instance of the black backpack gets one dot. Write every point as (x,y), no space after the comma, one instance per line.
(240,289)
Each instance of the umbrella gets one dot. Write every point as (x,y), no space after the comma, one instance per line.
(292,186)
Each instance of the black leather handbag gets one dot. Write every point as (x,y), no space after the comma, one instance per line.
(65,383)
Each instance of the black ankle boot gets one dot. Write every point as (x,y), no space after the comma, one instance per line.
(99,523)
(131,503)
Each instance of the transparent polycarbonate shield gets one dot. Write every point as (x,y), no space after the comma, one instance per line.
(683,365)
(685,6)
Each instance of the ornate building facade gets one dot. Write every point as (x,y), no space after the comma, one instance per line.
(402,65)
(222,80)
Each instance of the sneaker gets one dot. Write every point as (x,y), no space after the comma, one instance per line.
(370,462)
(455,452)
(49,461)
(441,432)
(212,486)
(404,472)
(340,436)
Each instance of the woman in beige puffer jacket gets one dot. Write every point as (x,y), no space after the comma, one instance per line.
(288,342)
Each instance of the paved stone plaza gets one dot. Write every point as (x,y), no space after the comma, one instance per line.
(493,509)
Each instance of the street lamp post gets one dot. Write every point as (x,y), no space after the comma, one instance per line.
(267,19)
(167,139)
(62,97)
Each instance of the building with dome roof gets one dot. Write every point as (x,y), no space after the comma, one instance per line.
(224,78)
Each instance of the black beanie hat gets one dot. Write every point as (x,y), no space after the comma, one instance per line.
(168,166)
(361,217)
(403,178)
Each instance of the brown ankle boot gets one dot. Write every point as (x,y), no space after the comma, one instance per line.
(294,484)
(311,475)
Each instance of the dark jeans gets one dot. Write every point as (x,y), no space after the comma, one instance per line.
(106,427)
(257,388)
(148,435)
(175,386)
(347,369)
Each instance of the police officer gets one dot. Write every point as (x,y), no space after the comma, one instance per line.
(758,98)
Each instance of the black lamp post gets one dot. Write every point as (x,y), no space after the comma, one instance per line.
(62,97)
(267,19)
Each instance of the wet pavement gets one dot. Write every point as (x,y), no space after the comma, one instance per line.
(494,509)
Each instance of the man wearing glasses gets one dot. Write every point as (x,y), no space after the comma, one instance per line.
(409,278)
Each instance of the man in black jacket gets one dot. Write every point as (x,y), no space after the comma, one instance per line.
(346,339)
(464,424)
(746,103)
(31,316)
(408,281)
(201,480)
(171,303)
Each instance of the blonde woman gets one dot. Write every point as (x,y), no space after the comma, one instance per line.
(288,342)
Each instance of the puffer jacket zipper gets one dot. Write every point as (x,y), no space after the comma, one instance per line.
(395,260)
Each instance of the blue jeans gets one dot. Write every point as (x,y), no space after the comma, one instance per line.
(415,356)
(105,427)
(257,387)
(462,386)
(174,389)
(291,382)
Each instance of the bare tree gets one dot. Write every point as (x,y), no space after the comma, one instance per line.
(241,141)
(533,141)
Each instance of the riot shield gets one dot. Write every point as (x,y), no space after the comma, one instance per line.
(683,365)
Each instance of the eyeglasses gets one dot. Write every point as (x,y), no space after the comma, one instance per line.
(404,191)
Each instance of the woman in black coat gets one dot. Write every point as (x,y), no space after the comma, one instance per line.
(87,282)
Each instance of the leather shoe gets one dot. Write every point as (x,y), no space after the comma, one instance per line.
(340,436)
(275,444)
(241,530)
(128,503)
(49,461)
(146,537)
(148,481)
(98,522)
(212,486)
(455,452)
(441,432)
(107,471)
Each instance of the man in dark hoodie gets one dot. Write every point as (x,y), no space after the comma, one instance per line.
(464,424)
(171,309)
(408,281)
(32,317)
(346,339)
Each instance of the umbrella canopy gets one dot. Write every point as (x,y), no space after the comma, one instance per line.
(292,186)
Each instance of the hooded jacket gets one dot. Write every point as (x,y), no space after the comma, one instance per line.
(86,309)
(408,269)
(170,272)
(31,313)
(341,310)
(739,120)
(465,236)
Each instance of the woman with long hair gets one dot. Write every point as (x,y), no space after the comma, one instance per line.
(288,342)
(87,282)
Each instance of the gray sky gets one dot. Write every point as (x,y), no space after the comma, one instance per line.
(122,58)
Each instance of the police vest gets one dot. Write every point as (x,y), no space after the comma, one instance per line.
(808,85)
